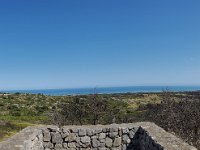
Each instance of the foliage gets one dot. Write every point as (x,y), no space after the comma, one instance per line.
(177,112)
(94,109)
(181,116)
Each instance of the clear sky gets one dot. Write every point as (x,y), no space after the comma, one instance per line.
(87,43)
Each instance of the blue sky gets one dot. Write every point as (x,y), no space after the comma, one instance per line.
(64,44)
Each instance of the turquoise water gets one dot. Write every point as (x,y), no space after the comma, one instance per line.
(108,90)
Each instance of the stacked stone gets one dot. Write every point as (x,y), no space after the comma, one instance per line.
(146,142)
(138,136)
(99,138)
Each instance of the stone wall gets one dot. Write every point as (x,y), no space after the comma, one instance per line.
(138,136)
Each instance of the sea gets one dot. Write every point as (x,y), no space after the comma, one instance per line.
(105,90)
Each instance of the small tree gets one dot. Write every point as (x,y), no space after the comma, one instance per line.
(75,110)
(96,108)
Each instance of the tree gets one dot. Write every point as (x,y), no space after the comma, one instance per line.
(96,108)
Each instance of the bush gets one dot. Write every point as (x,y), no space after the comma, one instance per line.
(181,116)
(93,109)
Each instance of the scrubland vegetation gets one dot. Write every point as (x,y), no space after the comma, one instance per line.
(178,113)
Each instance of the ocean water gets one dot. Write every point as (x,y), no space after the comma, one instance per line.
(107,90)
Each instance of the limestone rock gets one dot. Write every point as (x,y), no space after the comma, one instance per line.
(56,137)
(105,130)
(85,139)
(113,134)
(48,145)
(64,135)
(117,142)
(71,138)
(65,145)
(124,147)
(89,132)
(94,137)
(74,130)
(102,144)
(114,129)
(102,136)
(53,128)
(125,130)
(97,131)
(65,130)
(131,134)
(102,140)
(72,145)
(95,143)
(101,148)
(109,142)
(126,139)
(82,132)
(46,136)
(59,147)
(116,148)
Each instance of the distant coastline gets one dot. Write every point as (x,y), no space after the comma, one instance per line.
(105,90)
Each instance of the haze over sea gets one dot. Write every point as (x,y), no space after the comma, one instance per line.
(107,90)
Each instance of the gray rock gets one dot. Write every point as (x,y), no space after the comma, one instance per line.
(125,130)
(48,145)
(53,128)
(101,148)
(64,135)
(89,132)
(46,136)
(85,139)
(82,132)
(94,137)
(78,139)
(38,145)
(114,129)
(116,148)
(113,135)
(65,130)
(65,145)
(126,139)
(37,133)
(72,145)
(102,144)
(74,130)
(102,136)
(117,142)
(40,137)
(71,137)
(85,145)
(124,147)
(120,132)
(78,142)
(59,147)
(134,129)
(97,131)
(102,140)
(131,134)
(105,130)
(56,137)
(109,142)
(95,143)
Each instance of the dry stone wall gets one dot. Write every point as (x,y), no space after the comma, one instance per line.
(112,137)
(138,136)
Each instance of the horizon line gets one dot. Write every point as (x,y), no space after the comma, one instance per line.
(97,87)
